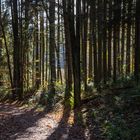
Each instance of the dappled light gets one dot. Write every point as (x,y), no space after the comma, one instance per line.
(69,69)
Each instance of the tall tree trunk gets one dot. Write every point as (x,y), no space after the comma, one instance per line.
(75,48)
(17,82)
(118,38)
(128,37)
(47,50)
(123,38)
(38,78)
(1,58)
(115,42)
(90,66)
(68,54)
(137,47)
(110,41)
(42,45)
(26,44)
(84,42)
(59,74)
(94,39)
(105,44)
(100,43)
(52,47)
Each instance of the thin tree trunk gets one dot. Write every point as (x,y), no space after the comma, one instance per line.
(137,47)
(105,43)
(100,43)
(110,41)
(90,66)
(38,78)
(94,39)
(42,45)
(128,38)
(1,58)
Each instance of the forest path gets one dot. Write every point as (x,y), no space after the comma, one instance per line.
(21,123)
(94,120)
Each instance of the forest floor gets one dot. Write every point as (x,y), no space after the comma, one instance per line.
(112,116)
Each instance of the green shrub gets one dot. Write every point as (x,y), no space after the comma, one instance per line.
(116,130)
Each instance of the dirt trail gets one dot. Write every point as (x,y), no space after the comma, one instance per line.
(18,123)
(24,123)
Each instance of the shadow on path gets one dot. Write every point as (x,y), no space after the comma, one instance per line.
(68,131)
(14,124)
(61,132)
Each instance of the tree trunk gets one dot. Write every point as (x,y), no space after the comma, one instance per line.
(1,58)
(38,78)
(110,41)
(100,43)
(17,80)
(52,47)
(105,44)
(68,69)
(137,47)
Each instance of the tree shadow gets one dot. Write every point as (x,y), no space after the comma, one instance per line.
(69,129)
(61,132)
(14,126)
(93,126)
(77,131)
(93,130)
